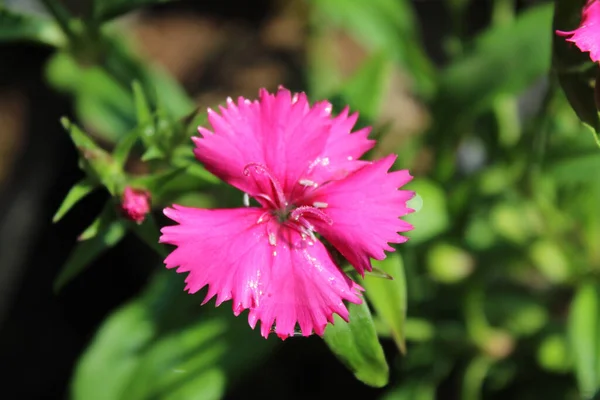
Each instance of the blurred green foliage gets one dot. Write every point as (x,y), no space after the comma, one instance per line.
(498,284)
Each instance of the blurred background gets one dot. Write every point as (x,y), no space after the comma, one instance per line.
(501,268)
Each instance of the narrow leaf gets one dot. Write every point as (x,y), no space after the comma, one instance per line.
(19,27)
(77,192)
(357,346)
(85,252)
(388,297)
(584,336)
(96,161)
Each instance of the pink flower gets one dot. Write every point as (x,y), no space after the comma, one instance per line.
(587,35)
(301,167)
(135,204)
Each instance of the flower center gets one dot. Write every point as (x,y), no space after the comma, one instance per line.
(286,213)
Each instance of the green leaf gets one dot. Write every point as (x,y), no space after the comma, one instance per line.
(106,217)
(142,107)
(388,297)
(101,101)
(20,27)
(505,60)
(162,345)
(365,89)
(584,336)
(155,182)
(97,163)
(357,346)
(415,390)
(77,192)
(108,235)
(149,233)
(123,148)
(108,9)
(382,26)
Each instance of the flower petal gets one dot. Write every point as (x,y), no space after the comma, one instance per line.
(365,208)
(587,35)
(283,133)
(292,139)
(268,268)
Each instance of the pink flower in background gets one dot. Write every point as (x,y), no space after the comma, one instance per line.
(135,204)
(587,35)
(301,166)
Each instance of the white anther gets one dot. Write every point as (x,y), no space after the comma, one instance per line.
(247,200)
(320,204)
(307,182)
(272,239)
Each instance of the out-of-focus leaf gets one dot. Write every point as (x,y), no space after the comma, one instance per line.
(584,337)
(475,374)
(160,346)
(106,217)
(108,9)
(357,346)
(18,27)
(412,390)
(553,354)
(142,107)
(123,147)
(365,89)
(85,252)
(388,297)
(77,192)
(149,233)
(95,161)
(100,100)
(449,264)
(382,26)
(432,219)
(506,59)
(575,70)
(156,181)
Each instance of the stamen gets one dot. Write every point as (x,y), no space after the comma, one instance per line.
(261,168)
(307,182)
(262,218)
(247,200)
(315,212)
(272,239)
(320,204)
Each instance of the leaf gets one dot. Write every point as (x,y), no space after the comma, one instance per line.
(506,59)
(149,233)
(77,192)
(381,26)
(106,217)
(388,297)
(101,101)
(142,107)
(20,27)
(416,390)
(365,89)
(108,9)
(123,148)
(356,345)
(108,235)
(162,345)
(97,163)
(584,336)
(155,182)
